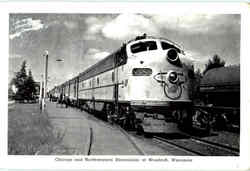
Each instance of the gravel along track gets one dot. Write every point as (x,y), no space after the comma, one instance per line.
(197,146)
(222,146)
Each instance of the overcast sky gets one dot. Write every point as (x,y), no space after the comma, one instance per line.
(83,39)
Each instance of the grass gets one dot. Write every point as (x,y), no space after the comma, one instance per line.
(30,132)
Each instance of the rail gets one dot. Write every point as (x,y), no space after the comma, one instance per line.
(180,147)
(233,150)
(199,147)
(217,108)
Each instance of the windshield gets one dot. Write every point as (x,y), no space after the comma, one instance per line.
(143,46)
(166,45)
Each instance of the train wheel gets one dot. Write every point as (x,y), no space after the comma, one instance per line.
(202,121)
(129,119)
(183,118)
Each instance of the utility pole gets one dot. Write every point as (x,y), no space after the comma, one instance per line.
(46,55)
(41,93)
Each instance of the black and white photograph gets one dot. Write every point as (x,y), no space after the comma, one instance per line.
(124,84)
(156,86)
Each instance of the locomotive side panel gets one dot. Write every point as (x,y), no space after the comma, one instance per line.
(104,86)
(123,81)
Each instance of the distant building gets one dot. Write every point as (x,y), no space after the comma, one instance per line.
(221,86)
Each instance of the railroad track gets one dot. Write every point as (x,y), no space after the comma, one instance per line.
(234,150)
(199,146)
(175,145)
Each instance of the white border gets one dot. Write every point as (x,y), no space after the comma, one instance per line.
(198,163)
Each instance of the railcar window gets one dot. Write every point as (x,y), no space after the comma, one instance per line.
(166,45)
(143,46)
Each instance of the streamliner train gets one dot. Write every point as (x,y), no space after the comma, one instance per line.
(143,85)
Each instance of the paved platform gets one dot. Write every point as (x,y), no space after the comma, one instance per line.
(109,139)
(75,126)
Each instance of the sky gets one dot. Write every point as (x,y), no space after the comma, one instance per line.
(81,40)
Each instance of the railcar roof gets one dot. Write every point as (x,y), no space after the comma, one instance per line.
(229,75)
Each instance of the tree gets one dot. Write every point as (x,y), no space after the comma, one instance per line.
(30,86)
(19,81)
(11,94)
(191,75)
(25,84)
(215,62)
(194,80)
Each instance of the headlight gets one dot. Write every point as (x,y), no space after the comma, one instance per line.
(173,77)
(172,55)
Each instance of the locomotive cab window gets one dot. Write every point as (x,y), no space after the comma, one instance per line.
(166,45)
(143,46)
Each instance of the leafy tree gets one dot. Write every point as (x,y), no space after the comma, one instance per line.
(215,62)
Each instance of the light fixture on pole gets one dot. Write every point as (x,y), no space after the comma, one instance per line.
(59,60)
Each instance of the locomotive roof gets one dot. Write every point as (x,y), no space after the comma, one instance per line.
(159,38)
(229,75)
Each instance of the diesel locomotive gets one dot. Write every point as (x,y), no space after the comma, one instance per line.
(143,85)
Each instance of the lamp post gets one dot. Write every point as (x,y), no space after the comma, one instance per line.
(41,92)
(44,84)
(46,55)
